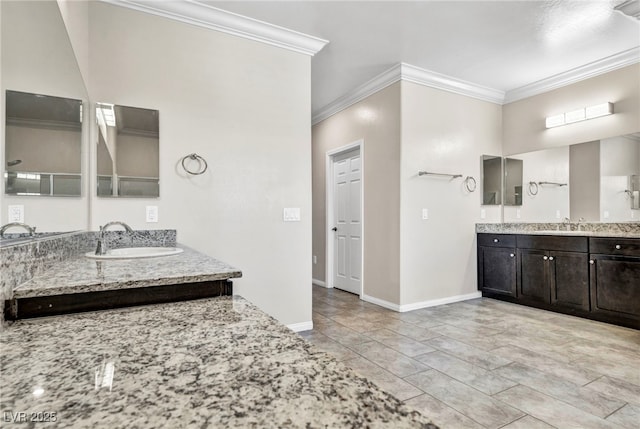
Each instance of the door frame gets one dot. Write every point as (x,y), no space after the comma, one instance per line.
(329,215)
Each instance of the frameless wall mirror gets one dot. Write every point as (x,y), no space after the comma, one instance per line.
(43,137)
(491,180)
(512,182)
(128,149)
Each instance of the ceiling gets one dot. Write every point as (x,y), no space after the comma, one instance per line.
(502,45)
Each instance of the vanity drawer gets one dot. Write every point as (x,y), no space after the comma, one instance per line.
(496,240)
(553,242)
(615,246)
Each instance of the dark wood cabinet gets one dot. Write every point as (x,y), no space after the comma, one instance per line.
(569,280)
(553,271)
(593,277)
(615,278)
(497,270)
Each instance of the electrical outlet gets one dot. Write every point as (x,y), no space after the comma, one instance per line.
(152,214)
(16,214)
(483,213)
(291,214)
(517,213)
(606,214)
(557,214)
(425,214)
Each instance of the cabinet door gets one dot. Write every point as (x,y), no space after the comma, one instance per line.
(497,270)
(615,286)
(533,283)
(569,279)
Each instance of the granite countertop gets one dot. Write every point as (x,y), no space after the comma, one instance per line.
(80,274)
(218,362)
(594,229)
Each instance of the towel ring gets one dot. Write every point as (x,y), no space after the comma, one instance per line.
(202,164)
(470,183)
(533,188)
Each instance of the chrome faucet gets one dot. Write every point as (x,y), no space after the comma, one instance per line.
(31,229)
(580,222)
(566,221)
(101,247)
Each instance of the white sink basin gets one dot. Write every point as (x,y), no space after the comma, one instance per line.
(136,252)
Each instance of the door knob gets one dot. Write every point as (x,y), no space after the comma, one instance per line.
(334,229)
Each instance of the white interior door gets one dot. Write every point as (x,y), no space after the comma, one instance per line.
(347,228)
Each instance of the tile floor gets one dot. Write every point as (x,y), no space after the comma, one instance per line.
(487,364)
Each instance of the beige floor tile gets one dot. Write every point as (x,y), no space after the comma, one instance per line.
(389,359)
(544,363)
(482,408)
(441,414)
(468,353)
(617,388)
(474,376)
(387,381)
(528,422)
(580,397)
(551,411)
(400,343)
(627,417)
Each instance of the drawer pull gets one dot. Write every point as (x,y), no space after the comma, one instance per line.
(618,247)
(495,240)
(511,255)
(551,258)
(591,261)
(545,258)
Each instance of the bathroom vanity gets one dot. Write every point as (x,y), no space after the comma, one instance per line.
(53,276)
(591,274)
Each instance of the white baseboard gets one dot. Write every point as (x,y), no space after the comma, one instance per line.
(318,282)
(418,305)
(381,302)
(299,327)
(440,301)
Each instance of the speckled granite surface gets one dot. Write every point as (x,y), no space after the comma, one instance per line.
(80,274)
(215,363)
(591,229)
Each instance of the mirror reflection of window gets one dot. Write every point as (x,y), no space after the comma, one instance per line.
(127,151)
(43,136)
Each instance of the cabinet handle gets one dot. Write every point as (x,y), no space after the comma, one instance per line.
(618,247)
(511,255)
(545,258)
(551,258)
(591,261)
(495,240)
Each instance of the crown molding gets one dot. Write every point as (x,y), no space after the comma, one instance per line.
(605,65)
(630,8)
(451,84)
(409,73)
(195,13)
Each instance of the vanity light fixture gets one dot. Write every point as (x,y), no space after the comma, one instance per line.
(579,115)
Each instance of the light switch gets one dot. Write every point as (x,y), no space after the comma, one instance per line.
(425,214)
(152,214)
(291,214)
(16,214)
